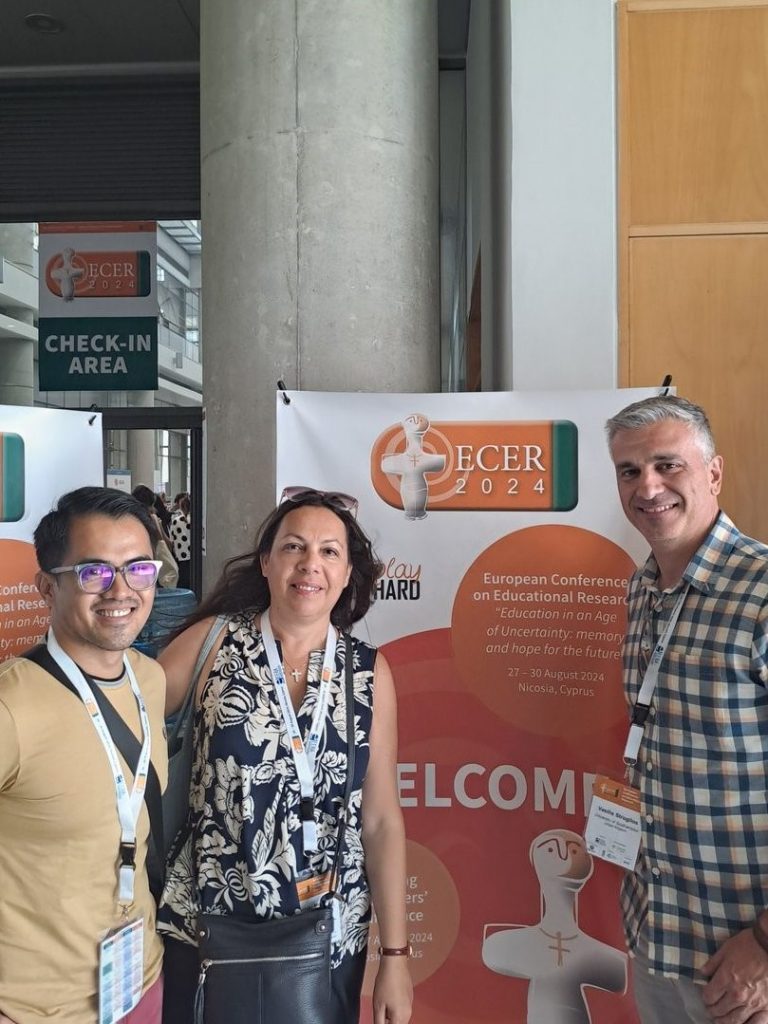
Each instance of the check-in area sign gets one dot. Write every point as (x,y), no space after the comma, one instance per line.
(98,306)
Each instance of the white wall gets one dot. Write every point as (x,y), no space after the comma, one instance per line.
(561,231)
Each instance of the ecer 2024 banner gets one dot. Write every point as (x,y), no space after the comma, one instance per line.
(502,613)
(43,454)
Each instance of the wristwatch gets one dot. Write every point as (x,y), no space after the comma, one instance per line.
(395,950)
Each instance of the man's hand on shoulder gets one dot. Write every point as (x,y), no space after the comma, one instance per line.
(737,990)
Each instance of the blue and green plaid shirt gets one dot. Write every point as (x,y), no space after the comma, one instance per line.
(702,874)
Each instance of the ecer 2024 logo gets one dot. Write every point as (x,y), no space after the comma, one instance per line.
(492,466)
(70,274)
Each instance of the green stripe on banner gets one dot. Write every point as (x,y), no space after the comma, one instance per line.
(12,478)
(565,463)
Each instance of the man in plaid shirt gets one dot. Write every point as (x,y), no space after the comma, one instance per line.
(695,905)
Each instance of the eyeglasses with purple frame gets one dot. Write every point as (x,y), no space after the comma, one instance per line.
(99,577)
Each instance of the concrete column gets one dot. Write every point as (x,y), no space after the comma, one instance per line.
(17,355)
(320,223)
(141,444)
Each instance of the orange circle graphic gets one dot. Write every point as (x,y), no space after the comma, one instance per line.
(537,628)
(433,911)
(80,283)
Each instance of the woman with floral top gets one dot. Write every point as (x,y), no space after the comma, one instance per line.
(252,840)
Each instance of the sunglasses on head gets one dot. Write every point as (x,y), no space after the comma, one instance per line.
(98,577)
(337,500)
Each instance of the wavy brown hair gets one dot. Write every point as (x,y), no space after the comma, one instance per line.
(242,585)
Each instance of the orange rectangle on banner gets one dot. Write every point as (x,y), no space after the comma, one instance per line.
(98,227)
(477,465)
(96,275)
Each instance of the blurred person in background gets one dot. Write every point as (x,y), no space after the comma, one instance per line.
(169,573)
(181,536)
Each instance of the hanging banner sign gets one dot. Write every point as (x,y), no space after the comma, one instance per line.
(502,613)
(98,307)
(43,454)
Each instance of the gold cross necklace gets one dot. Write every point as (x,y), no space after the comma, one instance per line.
(297,673)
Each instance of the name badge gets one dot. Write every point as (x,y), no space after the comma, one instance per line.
(121,972)
(613,826)
(311,888)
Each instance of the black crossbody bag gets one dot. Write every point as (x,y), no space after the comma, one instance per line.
(262,972)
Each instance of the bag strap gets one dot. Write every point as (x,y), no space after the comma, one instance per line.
(180,737)
(349,693)
(187,708)
(130,749)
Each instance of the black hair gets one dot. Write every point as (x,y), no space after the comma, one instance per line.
(154,503)
(242,585)
(162,512)
(52,533)
(144,494)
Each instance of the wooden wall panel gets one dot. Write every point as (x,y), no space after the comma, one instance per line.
(698,101)
(700,312)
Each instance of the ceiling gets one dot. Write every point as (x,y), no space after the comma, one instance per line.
(137,33)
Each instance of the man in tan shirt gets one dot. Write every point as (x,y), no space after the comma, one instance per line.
(75,914)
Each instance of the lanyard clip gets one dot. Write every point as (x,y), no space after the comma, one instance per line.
(632,748)
(307,809)
(640,713)
(128,855)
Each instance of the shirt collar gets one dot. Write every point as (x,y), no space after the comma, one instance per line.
(706,563)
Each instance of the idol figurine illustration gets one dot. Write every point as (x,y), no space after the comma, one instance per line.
(554,955)
(67,274)
(412,466)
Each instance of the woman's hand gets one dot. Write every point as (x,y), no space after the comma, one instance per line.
(392,991)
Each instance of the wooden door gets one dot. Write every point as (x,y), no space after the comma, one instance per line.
(693,243)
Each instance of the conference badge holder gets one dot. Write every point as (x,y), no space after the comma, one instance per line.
(121,972)
(613,823)
(310,888)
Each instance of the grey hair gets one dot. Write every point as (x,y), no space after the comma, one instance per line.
(660,408)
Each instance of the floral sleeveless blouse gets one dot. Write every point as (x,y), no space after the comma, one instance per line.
(245,845)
